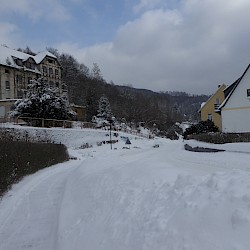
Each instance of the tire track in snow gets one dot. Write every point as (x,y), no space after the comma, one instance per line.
(30,218)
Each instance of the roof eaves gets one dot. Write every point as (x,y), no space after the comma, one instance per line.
(236,84)
(223,85)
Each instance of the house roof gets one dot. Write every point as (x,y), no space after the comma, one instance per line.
(233,87)
(204,104)
(7,56)
(41,55)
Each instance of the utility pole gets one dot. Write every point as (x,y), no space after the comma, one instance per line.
(110,123)
(111,120)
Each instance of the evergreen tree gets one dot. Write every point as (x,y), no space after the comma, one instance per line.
(43,102)
(104,109)
(201,127)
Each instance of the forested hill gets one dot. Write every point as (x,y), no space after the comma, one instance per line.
(86,86)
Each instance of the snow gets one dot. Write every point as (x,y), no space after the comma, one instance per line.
(137,198)
(41,55)
(8,54)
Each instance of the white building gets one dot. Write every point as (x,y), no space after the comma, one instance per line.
(235,110)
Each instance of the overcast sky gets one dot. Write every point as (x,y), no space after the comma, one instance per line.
(162,45)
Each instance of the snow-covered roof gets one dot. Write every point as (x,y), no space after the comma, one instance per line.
(41,55)
(7,55)
(76,106)
(202,104)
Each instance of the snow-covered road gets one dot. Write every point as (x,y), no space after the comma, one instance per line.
(29,212)
(142,198)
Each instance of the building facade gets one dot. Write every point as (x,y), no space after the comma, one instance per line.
(208,110)
(235,110)
(18,68)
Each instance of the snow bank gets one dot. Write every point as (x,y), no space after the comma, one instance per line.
(72,138)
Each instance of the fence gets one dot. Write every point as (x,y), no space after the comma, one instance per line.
(49,123)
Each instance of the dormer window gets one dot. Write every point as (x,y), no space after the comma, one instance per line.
(50,61)
(19,62)
(28,65)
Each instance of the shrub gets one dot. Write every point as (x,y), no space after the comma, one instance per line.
(200,128)
(19,157)
(220,138)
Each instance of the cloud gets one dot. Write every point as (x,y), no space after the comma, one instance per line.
(8,33)
(146,4)
(35,10)
(191,48)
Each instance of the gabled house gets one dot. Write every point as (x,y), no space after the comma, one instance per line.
(208,110)
(18,68)
(235,110)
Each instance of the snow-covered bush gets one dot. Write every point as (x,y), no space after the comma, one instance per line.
(104,109)
(43,102)
(201,127)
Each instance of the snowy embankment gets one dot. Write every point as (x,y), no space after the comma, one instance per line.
(142,198)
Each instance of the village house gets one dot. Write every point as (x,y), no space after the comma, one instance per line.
(18,68)
(208,110)
(235,110)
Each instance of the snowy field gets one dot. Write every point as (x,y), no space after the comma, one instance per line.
(142,198)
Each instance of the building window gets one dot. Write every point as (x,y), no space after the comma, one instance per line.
(248,93)
(19,62)
(50,71)
(7,71)
(56,72)
(32,65)
(44,70)
(19,94)
(50,61)
(210,117)
(7,85)
(28,65)
(217,103)
(7,94)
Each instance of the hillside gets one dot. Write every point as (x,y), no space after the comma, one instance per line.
(86,86)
